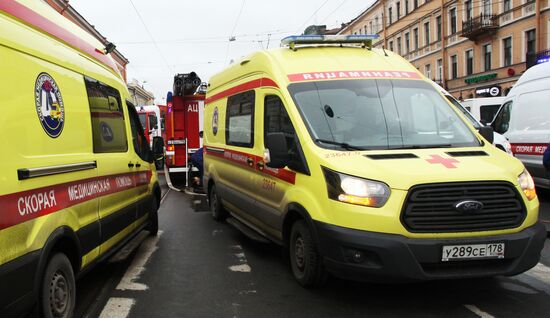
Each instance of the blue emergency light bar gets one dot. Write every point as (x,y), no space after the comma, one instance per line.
(364,39)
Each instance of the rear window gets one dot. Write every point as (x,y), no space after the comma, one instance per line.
(487,112)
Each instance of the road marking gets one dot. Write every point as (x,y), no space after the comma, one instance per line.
(478,312)
(243,266)
(537,277)
(129,280)
(164,196)
(215,232)
(117,308)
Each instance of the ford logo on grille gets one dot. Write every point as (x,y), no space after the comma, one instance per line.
(469,206)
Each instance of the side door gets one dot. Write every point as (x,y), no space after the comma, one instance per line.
(236,185)
(117,209)
(272,184)
(142,160)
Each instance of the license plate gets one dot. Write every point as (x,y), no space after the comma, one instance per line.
(475,251)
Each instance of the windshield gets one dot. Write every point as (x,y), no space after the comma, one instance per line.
(143,120)
(379,114)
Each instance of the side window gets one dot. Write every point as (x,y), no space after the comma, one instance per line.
(141,145)
(239,120)
(153,122)
(276,119)
(487,112)
(502,120)
(108,127)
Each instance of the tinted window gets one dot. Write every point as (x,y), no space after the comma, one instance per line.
(502,120)
(487,112)
(141,146)
(108,127)
(239,120)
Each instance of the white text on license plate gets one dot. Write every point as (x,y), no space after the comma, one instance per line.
(476,251)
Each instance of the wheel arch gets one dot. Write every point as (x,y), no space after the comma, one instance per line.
(293,212)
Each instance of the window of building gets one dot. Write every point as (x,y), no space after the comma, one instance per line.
(507,5)
(469,62)
(406,7)
(487,52)
(390,15)
(415,38)
(399,51)
(439,71)
(487,8)
(415,4)
(376,25)
(452,19)
(108,126)
(428,71)
(438,23)
(370,27)
(407,43)
(239,120)
(426,33)
(454,67)
(531,42)
(468,9)
(507,51)
(366,31)
(391,45)
(398,9)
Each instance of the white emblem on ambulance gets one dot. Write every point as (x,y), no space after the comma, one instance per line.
(49,105)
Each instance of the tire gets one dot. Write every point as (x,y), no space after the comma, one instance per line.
(58,291)
(153,226)
(216,209)
(306,263)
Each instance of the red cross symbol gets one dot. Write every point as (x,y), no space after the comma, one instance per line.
(448,163)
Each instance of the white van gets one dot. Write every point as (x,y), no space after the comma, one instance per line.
(499,140)
(483,109)
(524,119)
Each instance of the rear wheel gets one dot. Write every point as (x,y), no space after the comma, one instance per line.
(306,263)
(58,291)
(216,208)
(153,226)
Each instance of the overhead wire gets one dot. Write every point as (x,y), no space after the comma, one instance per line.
(231,36)
(299,30)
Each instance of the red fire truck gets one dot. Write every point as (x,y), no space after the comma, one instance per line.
(183,122)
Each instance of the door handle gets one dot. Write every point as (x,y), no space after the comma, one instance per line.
(260,165)
(250,161)
(130,165)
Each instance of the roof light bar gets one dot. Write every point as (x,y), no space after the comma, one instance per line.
(364,39)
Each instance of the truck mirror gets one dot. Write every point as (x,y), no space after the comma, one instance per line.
(278,152)
(487,133)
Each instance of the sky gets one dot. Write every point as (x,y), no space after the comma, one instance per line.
(165,37)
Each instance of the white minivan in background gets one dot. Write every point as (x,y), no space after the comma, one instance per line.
(484,108)
(524,119)
(499,140)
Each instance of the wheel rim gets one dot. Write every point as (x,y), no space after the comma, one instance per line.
(59,294)
(299,253)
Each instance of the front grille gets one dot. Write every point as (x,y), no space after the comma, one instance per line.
(431,207)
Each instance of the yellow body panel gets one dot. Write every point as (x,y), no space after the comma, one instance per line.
(310,191)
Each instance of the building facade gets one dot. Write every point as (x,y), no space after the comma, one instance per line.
(473,48)
(65,9)
(140,96)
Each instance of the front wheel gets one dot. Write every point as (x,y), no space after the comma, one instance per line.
(216,209)
(305,261)
(58,291)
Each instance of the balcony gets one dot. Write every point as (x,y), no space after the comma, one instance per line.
(480,26)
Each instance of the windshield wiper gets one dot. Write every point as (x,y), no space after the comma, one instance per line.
(341,144)
(425,146)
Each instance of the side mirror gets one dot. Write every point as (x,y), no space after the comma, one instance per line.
(487,133)
(158,147)
(278,151)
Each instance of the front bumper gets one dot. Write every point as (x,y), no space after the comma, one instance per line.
(395,258)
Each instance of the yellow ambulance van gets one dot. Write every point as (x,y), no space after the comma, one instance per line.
(348,157)
(77,179)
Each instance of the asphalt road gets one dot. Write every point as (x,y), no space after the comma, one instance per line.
(200,268)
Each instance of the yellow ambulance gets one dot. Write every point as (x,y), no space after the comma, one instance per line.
(348,157)
(77,179)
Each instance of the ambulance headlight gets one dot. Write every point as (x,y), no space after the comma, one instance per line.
(354,190)
(527,184)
